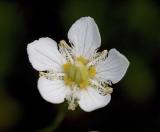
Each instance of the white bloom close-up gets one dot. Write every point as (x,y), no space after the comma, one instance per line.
(77,72)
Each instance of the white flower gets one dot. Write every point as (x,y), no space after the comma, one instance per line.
(77,73)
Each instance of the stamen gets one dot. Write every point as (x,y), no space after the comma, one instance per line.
(104,90)
(83,84)
(72,104)
(73,99)
(97,59)
(82,60)
(92,71)
(52,76)
(68,81)
(66,51)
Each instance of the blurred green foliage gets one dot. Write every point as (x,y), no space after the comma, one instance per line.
(10,27)
(139,84)
(10,111)
(143,17)
(11,24)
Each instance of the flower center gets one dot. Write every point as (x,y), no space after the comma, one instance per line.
(78,73)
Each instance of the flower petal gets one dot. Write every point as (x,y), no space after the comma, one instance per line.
(91,100)
(52,91)
(113,68)
(85,37)
(44,55)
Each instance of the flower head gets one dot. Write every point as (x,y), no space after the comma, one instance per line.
(77,72)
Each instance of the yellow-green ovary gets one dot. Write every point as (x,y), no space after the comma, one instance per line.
(78,74)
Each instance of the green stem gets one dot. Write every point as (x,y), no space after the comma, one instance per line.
(56,123)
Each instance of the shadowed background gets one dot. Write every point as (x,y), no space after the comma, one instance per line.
(131,26)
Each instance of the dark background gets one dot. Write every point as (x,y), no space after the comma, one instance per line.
(131,26)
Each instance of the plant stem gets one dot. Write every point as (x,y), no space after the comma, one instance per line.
(56,123)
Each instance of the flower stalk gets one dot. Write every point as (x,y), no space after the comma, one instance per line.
(57,121)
